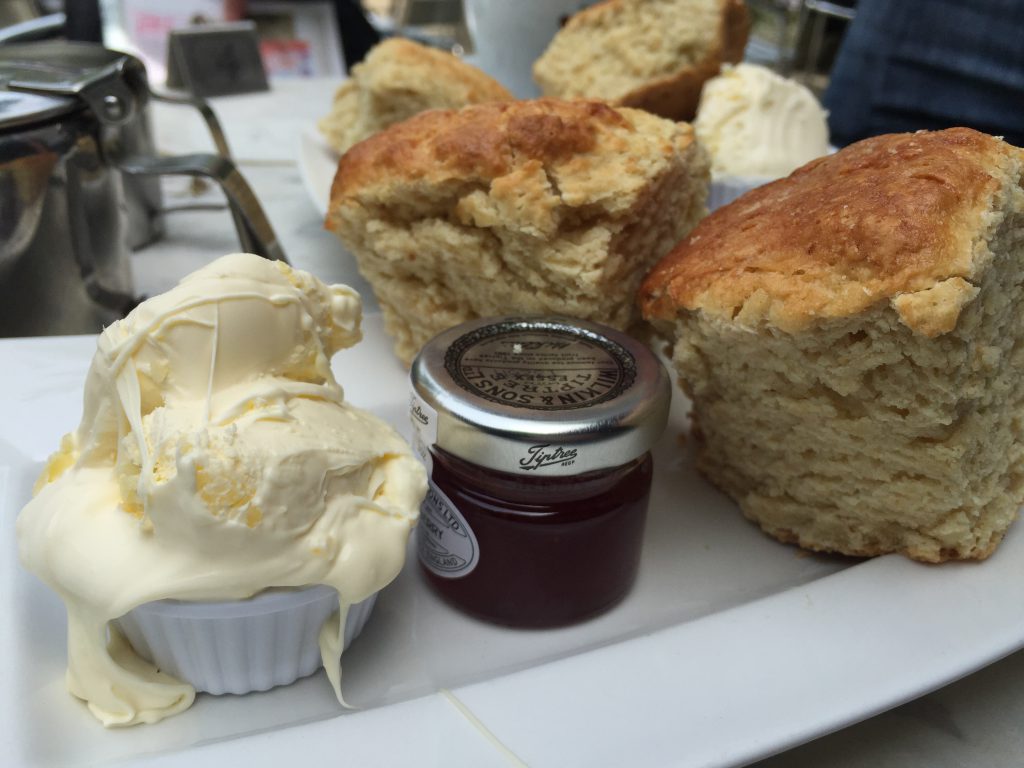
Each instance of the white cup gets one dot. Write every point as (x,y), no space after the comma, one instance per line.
(509,35)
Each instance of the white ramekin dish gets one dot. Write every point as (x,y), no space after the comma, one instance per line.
(240,646)
(725,189)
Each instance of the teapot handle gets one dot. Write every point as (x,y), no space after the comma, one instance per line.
(202,106)
(255,233)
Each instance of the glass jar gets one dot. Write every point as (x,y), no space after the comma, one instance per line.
(537,436)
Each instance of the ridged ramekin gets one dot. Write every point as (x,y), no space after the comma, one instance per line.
(725,189)
(240,646)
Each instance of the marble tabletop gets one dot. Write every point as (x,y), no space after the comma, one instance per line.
(976,721)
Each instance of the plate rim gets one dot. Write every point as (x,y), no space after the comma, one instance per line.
(823,609)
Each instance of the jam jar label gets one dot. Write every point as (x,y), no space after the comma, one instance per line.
(546,369)
(445,542)
(424,425)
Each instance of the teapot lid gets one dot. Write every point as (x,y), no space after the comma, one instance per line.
(20,109)
(109,83)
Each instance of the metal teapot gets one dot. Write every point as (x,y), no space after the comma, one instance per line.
(79,186)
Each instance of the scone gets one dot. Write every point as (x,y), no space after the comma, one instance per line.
(399,79)
(852,337)
(528,207)
(651,54)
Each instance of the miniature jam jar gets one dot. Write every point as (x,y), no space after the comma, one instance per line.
(536,432)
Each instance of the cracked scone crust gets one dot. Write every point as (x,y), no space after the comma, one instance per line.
(534,207)
(852,340)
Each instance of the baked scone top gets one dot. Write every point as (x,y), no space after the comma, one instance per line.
(900,217)
(397,64)
(533,157)
(651,54)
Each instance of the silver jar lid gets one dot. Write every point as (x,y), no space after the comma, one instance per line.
(539,395)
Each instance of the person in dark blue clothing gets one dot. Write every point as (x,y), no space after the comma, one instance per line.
(906,65)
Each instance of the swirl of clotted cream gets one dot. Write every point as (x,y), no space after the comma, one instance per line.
(216,457)
(754,122)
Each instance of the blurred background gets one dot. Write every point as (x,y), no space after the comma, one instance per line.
(877,65)
(249,168)
(315,38)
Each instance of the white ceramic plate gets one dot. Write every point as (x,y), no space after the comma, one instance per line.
(731,646)
(317,163)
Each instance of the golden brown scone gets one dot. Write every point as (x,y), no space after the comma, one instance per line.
(533,207)
(651,54)
(853,342)
(398,79)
